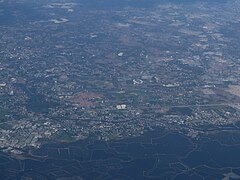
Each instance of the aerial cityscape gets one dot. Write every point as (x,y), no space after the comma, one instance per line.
(119,89)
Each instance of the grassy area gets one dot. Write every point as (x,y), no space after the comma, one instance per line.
(4,97)
(3,113)
(5,126)
(63,136)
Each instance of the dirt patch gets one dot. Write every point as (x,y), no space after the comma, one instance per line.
(86,99)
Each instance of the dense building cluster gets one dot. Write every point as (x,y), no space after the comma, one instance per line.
(68,72)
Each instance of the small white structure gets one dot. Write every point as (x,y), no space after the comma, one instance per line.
(121,106)
(11,93)
(120,54)
(137,81)
(171,85)
(3,84)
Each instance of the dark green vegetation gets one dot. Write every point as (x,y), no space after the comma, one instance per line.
(238,124)
(160,155)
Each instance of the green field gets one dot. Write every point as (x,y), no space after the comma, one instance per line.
(63,136)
